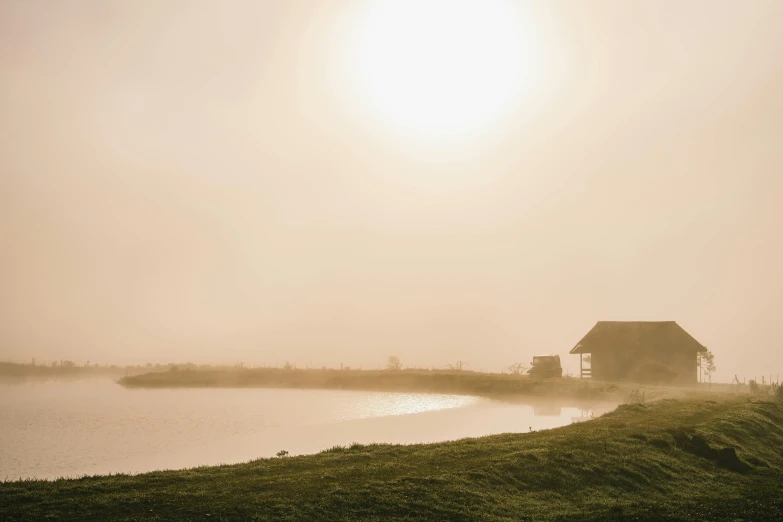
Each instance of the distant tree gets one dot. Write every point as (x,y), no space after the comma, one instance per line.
(68,364)
(517,368)
(288,366)
(394,363)
(707,364)
(458,366)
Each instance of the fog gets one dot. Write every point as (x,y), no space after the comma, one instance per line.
(195,181)
(62,428)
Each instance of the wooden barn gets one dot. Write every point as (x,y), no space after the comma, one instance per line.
(639,351)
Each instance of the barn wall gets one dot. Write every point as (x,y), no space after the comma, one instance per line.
(685,364)
(611,364)
(619,364)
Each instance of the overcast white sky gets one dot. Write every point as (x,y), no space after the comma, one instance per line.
(197,180)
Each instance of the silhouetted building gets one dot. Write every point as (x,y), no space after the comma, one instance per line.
(640,351)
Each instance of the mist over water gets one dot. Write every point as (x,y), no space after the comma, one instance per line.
(50,429)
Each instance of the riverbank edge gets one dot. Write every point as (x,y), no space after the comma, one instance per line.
(674,459)
(493,386)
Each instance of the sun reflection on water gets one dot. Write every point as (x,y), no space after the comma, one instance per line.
(54,429)
(386,404)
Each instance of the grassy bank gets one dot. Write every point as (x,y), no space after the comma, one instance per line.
(661,461)
(438,381)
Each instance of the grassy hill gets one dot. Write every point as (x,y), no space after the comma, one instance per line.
(674,459)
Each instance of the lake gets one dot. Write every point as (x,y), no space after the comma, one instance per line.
(57,428)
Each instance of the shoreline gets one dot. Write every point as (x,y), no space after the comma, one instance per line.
(494,386)
(698,458)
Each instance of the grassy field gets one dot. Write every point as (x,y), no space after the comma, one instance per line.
(667,460)
(438,381)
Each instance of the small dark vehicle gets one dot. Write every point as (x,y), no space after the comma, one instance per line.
(546,366)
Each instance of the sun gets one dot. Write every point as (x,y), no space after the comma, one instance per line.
(441,67)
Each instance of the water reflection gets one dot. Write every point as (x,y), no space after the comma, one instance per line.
(71,428)
(381,404)
(547,410)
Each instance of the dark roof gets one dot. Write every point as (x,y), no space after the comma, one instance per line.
(633,335)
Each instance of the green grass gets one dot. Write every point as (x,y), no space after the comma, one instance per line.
(641,462)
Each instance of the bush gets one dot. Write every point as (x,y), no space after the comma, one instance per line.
(636,396)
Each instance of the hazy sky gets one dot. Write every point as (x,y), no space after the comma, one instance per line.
(248,180)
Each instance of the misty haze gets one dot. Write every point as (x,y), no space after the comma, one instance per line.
(391,260)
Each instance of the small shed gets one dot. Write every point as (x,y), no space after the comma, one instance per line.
(640,351)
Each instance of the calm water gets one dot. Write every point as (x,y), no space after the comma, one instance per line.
(71,428)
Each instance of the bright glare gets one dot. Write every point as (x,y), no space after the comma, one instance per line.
(442,67)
